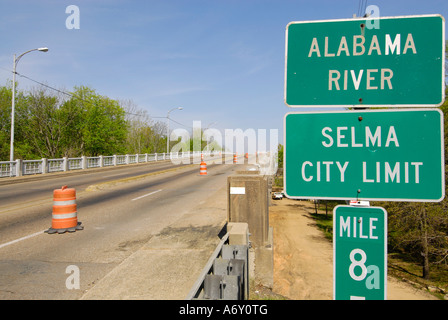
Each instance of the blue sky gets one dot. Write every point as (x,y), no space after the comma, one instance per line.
(223,61)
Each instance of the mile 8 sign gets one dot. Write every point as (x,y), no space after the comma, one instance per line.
(359,253)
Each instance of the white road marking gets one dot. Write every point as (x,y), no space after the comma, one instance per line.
(145,195)
(23,238)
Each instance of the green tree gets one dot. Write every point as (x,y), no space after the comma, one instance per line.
(5,121)
(280,156)
(419,230)
(103,127)
(42,125)
(144,135)
(73,113)
(21,148)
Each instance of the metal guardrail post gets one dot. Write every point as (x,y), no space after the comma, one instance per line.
(239,253)
(226,274)
(230,270)
(212,287)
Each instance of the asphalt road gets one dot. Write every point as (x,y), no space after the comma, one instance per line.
(120,209)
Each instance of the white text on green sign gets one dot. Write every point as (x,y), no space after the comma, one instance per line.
(341,62)
(389,155)
(360,253)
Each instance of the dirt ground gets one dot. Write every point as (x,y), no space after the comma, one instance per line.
(303,257)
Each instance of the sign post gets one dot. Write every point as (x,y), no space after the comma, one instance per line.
(340,63)
(359,253)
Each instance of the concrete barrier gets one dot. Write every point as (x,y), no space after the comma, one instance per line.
(248,202)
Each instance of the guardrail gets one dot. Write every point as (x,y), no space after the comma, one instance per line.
(226,274)
(28,167)
(266,165)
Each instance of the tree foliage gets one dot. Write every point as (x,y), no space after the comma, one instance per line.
(53,125)
(144,135)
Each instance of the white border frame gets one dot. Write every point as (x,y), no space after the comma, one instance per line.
(442,160)
(385,247)
(371,105)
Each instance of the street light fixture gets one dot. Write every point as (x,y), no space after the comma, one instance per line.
(15,61)
(168,128)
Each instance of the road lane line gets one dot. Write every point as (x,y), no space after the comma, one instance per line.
(145,195)
(23,238)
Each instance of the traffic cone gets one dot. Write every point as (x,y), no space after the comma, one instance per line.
(203,169)
(65,215)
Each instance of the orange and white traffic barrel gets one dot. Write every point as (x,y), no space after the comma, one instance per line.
(203,169)
(234,158)
(65,215)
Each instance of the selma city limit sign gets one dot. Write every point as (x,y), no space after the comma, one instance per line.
(336,63)
(390,155)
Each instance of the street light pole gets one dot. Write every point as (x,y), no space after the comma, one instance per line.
(168,128)
(11,150)
(15,61)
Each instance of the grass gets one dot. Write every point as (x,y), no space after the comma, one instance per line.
(324,217)
(402,267)
(325,223)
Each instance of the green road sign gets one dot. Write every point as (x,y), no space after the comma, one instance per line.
(359,253)
(352,63)
(391,155)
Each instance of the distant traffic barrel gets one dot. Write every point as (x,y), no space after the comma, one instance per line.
(203,169)
(64,215)
(235,158)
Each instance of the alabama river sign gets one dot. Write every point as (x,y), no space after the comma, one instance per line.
(340,63)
